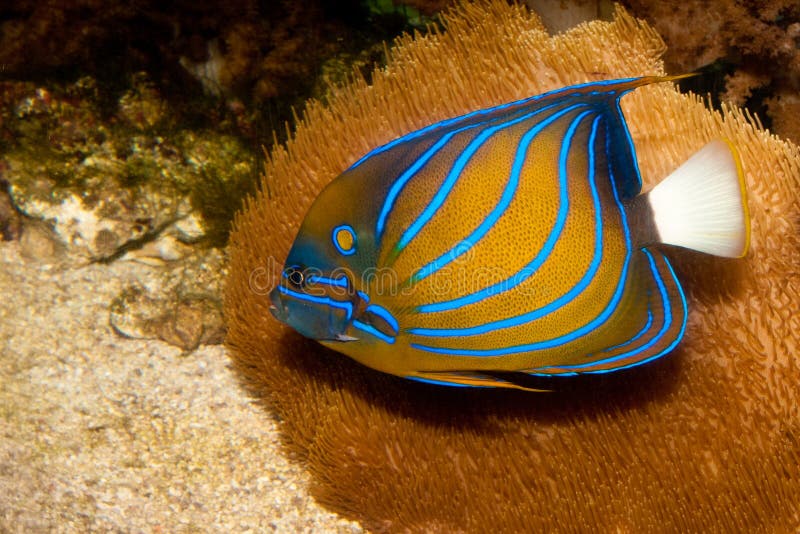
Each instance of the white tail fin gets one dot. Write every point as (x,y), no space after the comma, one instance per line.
(702,205)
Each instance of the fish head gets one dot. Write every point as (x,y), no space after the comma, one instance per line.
(320,292)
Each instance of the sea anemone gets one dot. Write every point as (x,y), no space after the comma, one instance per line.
(708,439)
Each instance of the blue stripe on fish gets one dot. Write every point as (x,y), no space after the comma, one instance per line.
(419,163)
(577,333)
(373,331)
(527,271)
(667,311)
(502,205)
(585,280)
(384,314)
(451,179)
(576,89)
(336,282)
(327,301)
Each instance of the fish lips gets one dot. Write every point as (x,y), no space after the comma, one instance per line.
(277,307)
(331,329)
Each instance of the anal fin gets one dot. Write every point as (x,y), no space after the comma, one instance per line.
(485,379)
(657,333)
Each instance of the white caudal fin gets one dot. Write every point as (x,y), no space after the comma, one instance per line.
(702,205)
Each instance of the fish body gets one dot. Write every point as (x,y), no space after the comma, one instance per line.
(509,241)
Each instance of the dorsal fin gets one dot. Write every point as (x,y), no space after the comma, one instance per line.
(619,145)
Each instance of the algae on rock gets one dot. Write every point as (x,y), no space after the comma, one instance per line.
(111,184)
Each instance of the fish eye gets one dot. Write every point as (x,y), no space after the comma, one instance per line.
(295,276)
(344,239)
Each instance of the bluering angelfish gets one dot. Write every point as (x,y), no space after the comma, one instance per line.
(509,240)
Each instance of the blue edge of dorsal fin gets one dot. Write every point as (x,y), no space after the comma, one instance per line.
(619,145)
(623,158)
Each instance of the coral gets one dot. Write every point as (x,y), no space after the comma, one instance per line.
(706,440)
(761,40)
(784,108)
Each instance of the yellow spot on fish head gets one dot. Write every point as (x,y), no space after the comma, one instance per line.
(345,239)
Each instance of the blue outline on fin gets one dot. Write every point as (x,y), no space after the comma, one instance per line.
(665,327)
(564,91)
(575,334)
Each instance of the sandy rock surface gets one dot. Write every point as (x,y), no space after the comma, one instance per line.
(103,433)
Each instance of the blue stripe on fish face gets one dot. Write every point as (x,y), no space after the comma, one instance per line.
(325,301)
(575,334)
(335,282)
(403,179)
(452,177)
(505,199)
(373,331)
(543,254)
(487,111)
(384,314)
(529,269)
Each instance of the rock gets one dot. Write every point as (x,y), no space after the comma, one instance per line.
(40,243)
(10,223)
(195,320)
(182,307)
(133,185)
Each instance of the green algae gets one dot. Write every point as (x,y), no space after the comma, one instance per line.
(59,143)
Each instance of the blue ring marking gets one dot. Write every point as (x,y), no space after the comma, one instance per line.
(363,296)
(638,334)
(573,90)
(347,228)
(443,382)
(505,199)
(409,173)
(372,330)
(665,327)
(384,314)
(335,282)
(575,334)
(576,290)
(452,177)
(327,301)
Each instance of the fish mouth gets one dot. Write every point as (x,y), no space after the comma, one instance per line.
(334,332)
(276,308)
